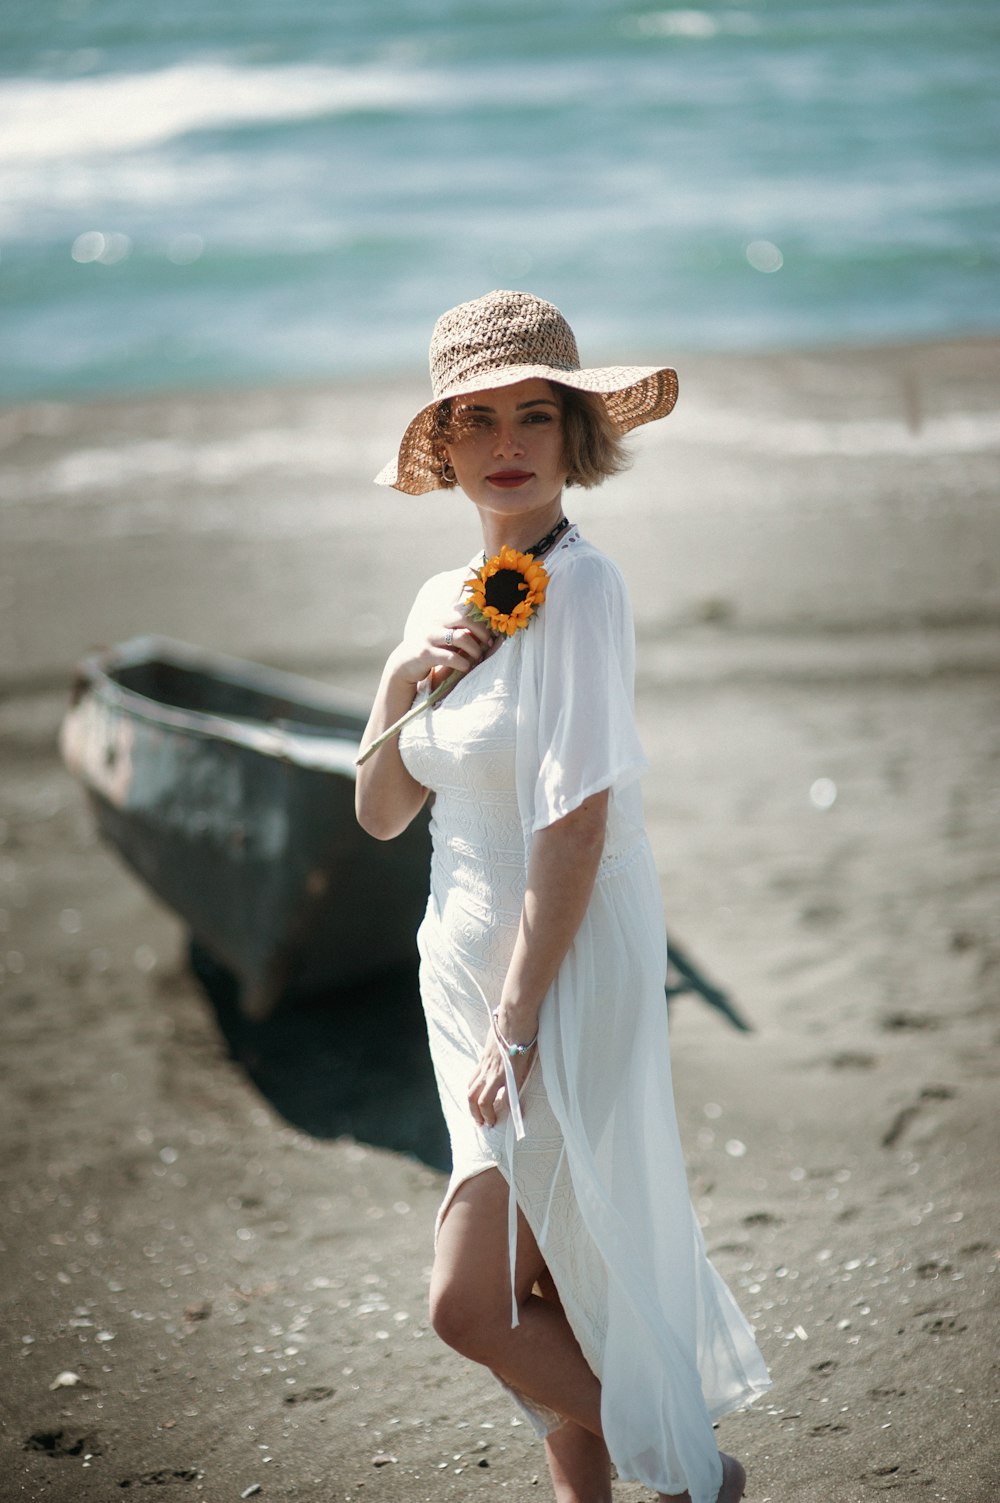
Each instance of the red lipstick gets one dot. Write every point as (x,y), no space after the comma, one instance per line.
(509,478)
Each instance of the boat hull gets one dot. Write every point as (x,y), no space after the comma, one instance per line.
(229,788)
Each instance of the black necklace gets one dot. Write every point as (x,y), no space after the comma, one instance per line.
(543,543)
(548,539)
(503,588)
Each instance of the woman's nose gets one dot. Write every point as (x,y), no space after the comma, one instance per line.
(508,440)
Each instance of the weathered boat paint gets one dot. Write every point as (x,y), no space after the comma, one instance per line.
(229,788)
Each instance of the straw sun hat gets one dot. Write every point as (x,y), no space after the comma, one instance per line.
(503,338)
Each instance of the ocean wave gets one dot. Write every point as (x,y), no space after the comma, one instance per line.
(83,471)
(45,119)
(309,452)
(304,192)
(107,187)
(860,438)
(692,25)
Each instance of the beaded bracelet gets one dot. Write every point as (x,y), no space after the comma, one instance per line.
(512,1050)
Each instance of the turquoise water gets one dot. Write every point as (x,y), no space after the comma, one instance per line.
(213,195)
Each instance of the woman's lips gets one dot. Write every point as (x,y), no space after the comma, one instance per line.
(509,478)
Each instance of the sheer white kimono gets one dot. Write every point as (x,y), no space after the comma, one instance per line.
(520,742)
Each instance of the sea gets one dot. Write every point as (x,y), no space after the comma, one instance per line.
(215,194)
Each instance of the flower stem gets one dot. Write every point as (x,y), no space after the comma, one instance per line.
(412,714)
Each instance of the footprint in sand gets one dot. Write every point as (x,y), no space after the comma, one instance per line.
(933,1268)
(59,1443)
(161,1477)
(893,1475)
(902,1022)
(908,1114)
(852,1059)
(944,1325)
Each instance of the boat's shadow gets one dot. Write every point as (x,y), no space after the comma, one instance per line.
(352,1063)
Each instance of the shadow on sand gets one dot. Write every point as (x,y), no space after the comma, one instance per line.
(352,1063)
(355,1062)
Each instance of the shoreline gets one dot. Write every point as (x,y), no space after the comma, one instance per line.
(815,492)
(414,377)
(970,358)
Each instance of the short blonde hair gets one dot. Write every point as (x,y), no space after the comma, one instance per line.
(593,445)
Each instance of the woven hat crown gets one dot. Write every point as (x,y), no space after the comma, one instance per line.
(498,332)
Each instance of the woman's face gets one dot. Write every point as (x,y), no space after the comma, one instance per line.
(508,455)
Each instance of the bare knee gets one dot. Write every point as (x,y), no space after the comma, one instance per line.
(458,1318)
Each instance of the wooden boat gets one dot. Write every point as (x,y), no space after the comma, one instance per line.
(229,788)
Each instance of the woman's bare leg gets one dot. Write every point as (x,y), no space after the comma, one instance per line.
(578,1465)
(540,1357)
(578,1462)
(470,1305)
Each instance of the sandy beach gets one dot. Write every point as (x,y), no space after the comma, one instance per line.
(217,1235)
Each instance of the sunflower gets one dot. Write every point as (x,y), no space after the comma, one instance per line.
(505,593)
(507,590)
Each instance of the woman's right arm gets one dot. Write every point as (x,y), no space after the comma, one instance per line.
(386,797)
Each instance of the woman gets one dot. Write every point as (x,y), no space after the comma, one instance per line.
(567,1258)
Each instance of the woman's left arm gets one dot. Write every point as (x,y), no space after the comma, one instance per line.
(561,874)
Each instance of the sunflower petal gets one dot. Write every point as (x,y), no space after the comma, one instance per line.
(532,586)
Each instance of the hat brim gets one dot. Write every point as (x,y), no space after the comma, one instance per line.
(632,394)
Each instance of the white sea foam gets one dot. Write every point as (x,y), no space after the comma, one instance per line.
(628,161)
(297,452)
(102,188)
(102,468)
(49,120)
(695,25)
(949,433)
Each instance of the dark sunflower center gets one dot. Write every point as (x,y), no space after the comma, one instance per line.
(504,590)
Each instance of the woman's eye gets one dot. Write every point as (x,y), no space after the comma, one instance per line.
(539,417)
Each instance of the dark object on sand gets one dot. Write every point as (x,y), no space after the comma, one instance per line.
(684,976)
(229,787)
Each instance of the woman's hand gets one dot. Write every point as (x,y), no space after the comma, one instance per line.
(386,797)
(488,1087)
(561,871)
(458,642)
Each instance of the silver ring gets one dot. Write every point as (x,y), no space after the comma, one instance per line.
(449,637)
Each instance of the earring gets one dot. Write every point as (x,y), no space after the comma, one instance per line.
(447,470)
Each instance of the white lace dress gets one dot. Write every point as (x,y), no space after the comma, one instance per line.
(521,741)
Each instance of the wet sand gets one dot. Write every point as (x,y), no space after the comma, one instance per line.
(222,1231)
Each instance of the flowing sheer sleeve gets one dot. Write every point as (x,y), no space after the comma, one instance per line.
(584,656)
